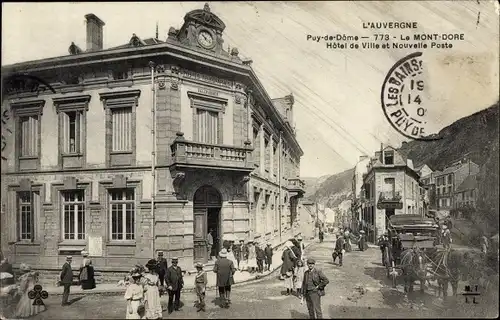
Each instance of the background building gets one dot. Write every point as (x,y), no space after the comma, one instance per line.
(391,186)
(448,180)
(358,192)
(144,147)
(466,193)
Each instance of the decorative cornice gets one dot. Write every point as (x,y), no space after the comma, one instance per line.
(81,101)
(27,107)
(120,98)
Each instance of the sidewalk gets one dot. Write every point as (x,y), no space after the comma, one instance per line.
(240,278)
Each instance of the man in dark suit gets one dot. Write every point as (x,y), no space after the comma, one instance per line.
(224,268)
(268,251)
(66,279)
(162,267)
(313,286)
(175,282)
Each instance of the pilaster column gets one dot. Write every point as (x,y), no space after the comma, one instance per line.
(262,151)
(271,158)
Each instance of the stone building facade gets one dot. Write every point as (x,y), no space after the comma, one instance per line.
(391,186)
(144,147)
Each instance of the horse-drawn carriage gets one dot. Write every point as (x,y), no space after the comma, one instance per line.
(409,236)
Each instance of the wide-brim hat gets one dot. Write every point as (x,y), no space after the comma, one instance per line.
(151,264)
(175,259)
(136,275)
(198,265)
(223,253)
(299,238)
(362,231)
(24,267)
(85,254)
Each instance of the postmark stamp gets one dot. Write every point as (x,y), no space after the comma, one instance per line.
(403,98)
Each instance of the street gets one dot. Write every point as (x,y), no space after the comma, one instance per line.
(359,289)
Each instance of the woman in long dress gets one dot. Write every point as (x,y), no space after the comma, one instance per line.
(25,307)
(152,303)
(87,279)
(252,257)
(287,268)
(135,297)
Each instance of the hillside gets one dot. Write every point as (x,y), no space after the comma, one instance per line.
(335,189)
(313,183)
(475,136)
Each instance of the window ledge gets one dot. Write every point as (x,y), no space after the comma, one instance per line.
(78,154)
(120,152)
(123,243)
(27,243)
(73,242)
(28,157)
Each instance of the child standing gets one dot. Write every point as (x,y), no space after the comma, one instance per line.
(298,278)
(200,284)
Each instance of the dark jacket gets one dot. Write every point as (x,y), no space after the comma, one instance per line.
(288,259)
(174,278)
(66,274)
(224,269)
(318,277)
(268,251)
(339,244)
(237,252)
(259,253)
(162,265)
(244,252)
(297,252)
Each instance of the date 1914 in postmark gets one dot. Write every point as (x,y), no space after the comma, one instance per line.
(403,98)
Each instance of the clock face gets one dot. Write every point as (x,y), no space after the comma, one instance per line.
(205,39)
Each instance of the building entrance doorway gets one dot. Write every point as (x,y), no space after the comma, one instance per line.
(207,206)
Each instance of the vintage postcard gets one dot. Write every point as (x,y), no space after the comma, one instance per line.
(267,159)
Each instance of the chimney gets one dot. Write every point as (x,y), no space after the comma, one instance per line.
(94,32)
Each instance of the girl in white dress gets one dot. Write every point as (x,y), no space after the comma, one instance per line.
(135,297)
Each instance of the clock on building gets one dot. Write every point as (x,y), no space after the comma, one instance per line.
(206,39)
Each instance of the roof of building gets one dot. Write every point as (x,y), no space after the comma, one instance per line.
(469,183)
(140,42)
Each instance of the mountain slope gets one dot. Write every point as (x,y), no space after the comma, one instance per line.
(335,189)
(475,136)
(472,136)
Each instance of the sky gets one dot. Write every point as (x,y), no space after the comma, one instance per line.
(337,112)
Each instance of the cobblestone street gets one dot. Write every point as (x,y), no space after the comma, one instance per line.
(358,289)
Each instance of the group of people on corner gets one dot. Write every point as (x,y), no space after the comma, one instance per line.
(27,280)
(309,282)
(146,284)
(86,276)
(252,256)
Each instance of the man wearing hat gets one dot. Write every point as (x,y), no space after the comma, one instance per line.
(224,269)
(268,252)
(339,249)
(175,282)
(66,279)
(162,267)
(313,285)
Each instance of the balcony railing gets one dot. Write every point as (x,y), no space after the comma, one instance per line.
(296,183)
(194,154)
(390,196)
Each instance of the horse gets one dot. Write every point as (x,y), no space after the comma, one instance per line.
(414,268)
(447,268)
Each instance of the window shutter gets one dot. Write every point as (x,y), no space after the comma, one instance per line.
(35,213)
(65,132)
(13,216)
